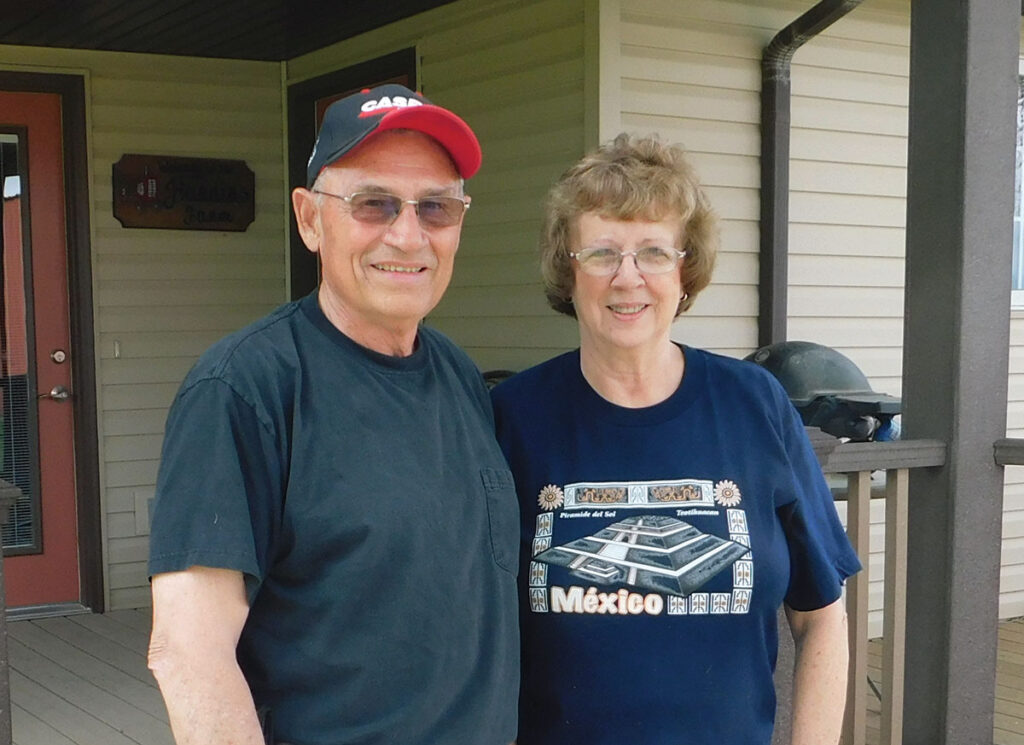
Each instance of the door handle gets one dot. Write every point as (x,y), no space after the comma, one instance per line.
(59,393)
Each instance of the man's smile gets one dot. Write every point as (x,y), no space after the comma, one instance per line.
(399,268)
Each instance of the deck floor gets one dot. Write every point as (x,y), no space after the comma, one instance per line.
(82,680)
(1009,729)
(1009,709)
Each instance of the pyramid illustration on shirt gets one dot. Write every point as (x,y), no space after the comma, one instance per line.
(654,552)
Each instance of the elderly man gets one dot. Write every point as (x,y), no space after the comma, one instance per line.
(334,540)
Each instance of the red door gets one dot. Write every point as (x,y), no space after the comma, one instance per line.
(40,538)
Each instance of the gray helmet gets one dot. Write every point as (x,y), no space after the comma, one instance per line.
(827,388)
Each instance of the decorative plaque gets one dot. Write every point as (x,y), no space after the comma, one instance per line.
(165,191)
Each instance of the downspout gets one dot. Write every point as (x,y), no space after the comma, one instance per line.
(775,124)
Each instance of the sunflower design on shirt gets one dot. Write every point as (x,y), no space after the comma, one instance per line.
(550,497)
(727,493)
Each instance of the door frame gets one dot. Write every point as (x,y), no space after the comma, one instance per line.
(71,89)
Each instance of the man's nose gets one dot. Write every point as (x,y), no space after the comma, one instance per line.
(405,231)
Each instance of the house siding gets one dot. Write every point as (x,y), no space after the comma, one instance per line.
(515,72)
(691,72)
(163,296)
(512,69)
(527,77)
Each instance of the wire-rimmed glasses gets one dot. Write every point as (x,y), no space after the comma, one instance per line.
(602,261)
(379,208)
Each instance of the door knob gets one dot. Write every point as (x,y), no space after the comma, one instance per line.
(59,393)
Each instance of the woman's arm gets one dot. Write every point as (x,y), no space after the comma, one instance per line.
(819,680)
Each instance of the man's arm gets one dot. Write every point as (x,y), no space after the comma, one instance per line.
(819,680)
(198,616)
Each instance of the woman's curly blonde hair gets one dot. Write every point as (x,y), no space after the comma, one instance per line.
(629,178)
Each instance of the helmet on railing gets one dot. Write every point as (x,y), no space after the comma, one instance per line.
(493,377)
(830,391)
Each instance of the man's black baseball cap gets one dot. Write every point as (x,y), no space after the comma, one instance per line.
(352,119)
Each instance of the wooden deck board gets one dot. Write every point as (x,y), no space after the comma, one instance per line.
(144,696)
(1009,702)
(79,726)
(130,660)
(140,619)
(108,627)
(78,690)
(83,680)
(28,729)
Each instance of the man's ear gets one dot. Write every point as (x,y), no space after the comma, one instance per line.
(306,211)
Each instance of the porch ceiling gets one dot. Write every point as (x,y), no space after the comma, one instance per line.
(271,30)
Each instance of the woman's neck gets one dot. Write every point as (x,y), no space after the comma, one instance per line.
(634,378)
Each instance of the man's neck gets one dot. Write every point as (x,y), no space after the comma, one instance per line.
(398,340)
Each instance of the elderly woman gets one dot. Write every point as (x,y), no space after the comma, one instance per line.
(670,499)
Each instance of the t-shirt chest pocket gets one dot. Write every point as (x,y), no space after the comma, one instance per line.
(502,516)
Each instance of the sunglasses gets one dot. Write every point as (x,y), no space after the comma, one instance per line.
(383,209)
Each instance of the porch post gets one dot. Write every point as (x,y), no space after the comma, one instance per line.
(963,68)
(9,494)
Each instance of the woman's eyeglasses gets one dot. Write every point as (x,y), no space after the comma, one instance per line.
(603,262)
(383,209)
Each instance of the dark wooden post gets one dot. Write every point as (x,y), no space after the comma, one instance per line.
(9,494)
(963,71)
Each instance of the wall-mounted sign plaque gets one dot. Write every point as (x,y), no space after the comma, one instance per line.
(163,191)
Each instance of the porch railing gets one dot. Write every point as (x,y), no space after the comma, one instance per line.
(1010,451)
(857,461)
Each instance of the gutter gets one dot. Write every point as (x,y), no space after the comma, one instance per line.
(775,125)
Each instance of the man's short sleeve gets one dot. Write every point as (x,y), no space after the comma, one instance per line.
(218,493)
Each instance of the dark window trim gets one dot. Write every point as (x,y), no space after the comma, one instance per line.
(301,134)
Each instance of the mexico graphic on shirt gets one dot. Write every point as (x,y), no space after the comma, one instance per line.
(646,558)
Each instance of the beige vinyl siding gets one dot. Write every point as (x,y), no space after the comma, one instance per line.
(1011,580)
(163,296)
(1011,597)
(1012,575)
(848,176)
(528,78)
(515,72)
(691,71)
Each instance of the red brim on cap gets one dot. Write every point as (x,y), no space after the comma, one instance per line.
(454,134)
